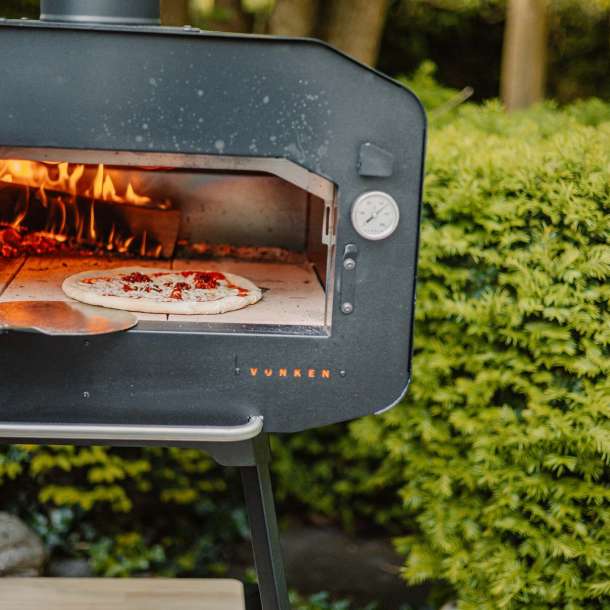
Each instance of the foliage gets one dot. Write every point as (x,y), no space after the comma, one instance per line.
(172,511)
(504,445)
(579,47)
(323,601)
(13,9)
(501,451)
(593,6)
(125,555)
(258,6)
(431,93)
(464,38)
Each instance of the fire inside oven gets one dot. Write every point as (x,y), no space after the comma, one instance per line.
(267,220)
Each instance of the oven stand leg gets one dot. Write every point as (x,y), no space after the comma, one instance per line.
(265,535)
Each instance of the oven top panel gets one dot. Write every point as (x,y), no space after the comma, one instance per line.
(174,90)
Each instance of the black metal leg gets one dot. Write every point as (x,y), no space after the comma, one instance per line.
(265,536)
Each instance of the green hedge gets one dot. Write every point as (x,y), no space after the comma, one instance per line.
(502,450)
(500,454)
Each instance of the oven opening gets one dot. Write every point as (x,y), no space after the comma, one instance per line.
(267,220)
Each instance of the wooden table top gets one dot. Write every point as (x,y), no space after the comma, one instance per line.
(120,594)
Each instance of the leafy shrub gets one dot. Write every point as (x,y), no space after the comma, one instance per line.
(323,601)
(126,555)
(500,453)
(431,93)
(504,444)
(162,511)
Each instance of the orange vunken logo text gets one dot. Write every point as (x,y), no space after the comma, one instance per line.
(290,373)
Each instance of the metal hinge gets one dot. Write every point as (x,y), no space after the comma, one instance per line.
(328,224)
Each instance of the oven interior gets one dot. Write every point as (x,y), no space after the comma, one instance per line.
(268,220)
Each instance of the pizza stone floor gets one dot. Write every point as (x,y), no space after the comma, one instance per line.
(292,293)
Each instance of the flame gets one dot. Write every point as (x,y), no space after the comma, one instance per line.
(92,233)
(143,244)
(68,193)
(42,195)
(134,198)
(110,242)
(98,183)
(63,215)
(68,179)
(21,215)
(108,192)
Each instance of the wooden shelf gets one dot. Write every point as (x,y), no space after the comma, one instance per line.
(120,594)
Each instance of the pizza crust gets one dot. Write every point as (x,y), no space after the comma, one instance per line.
(72,288)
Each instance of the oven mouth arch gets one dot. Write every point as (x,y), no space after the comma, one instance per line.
(277,166)
(286,170)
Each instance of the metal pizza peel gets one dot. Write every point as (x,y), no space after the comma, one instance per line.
(62,318)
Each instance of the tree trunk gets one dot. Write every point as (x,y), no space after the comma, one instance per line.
(175,12)
(355,27)
(294,18)
(524,54)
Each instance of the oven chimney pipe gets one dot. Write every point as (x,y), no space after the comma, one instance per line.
(127,12)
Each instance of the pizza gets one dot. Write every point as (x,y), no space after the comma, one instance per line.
(164,291)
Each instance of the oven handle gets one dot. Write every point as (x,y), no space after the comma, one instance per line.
(109,432)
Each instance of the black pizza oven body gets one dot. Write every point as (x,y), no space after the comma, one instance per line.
(93,87)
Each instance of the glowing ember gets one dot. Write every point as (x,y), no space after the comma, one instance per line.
(17,242)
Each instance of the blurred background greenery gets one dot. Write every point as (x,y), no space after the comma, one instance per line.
(492,476)
(464,38)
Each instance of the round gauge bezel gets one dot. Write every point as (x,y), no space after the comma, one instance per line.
(390,229)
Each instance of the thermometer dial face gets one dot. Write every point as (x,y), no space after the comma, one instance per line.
(375,215)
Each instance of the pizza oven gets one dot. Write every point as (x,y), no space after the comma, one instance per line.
(126,143)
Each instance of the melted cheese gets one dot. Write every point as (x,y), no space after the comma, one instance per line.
(161,288)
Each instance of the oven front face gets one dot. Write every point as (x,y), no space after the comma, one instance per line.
(262,180)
